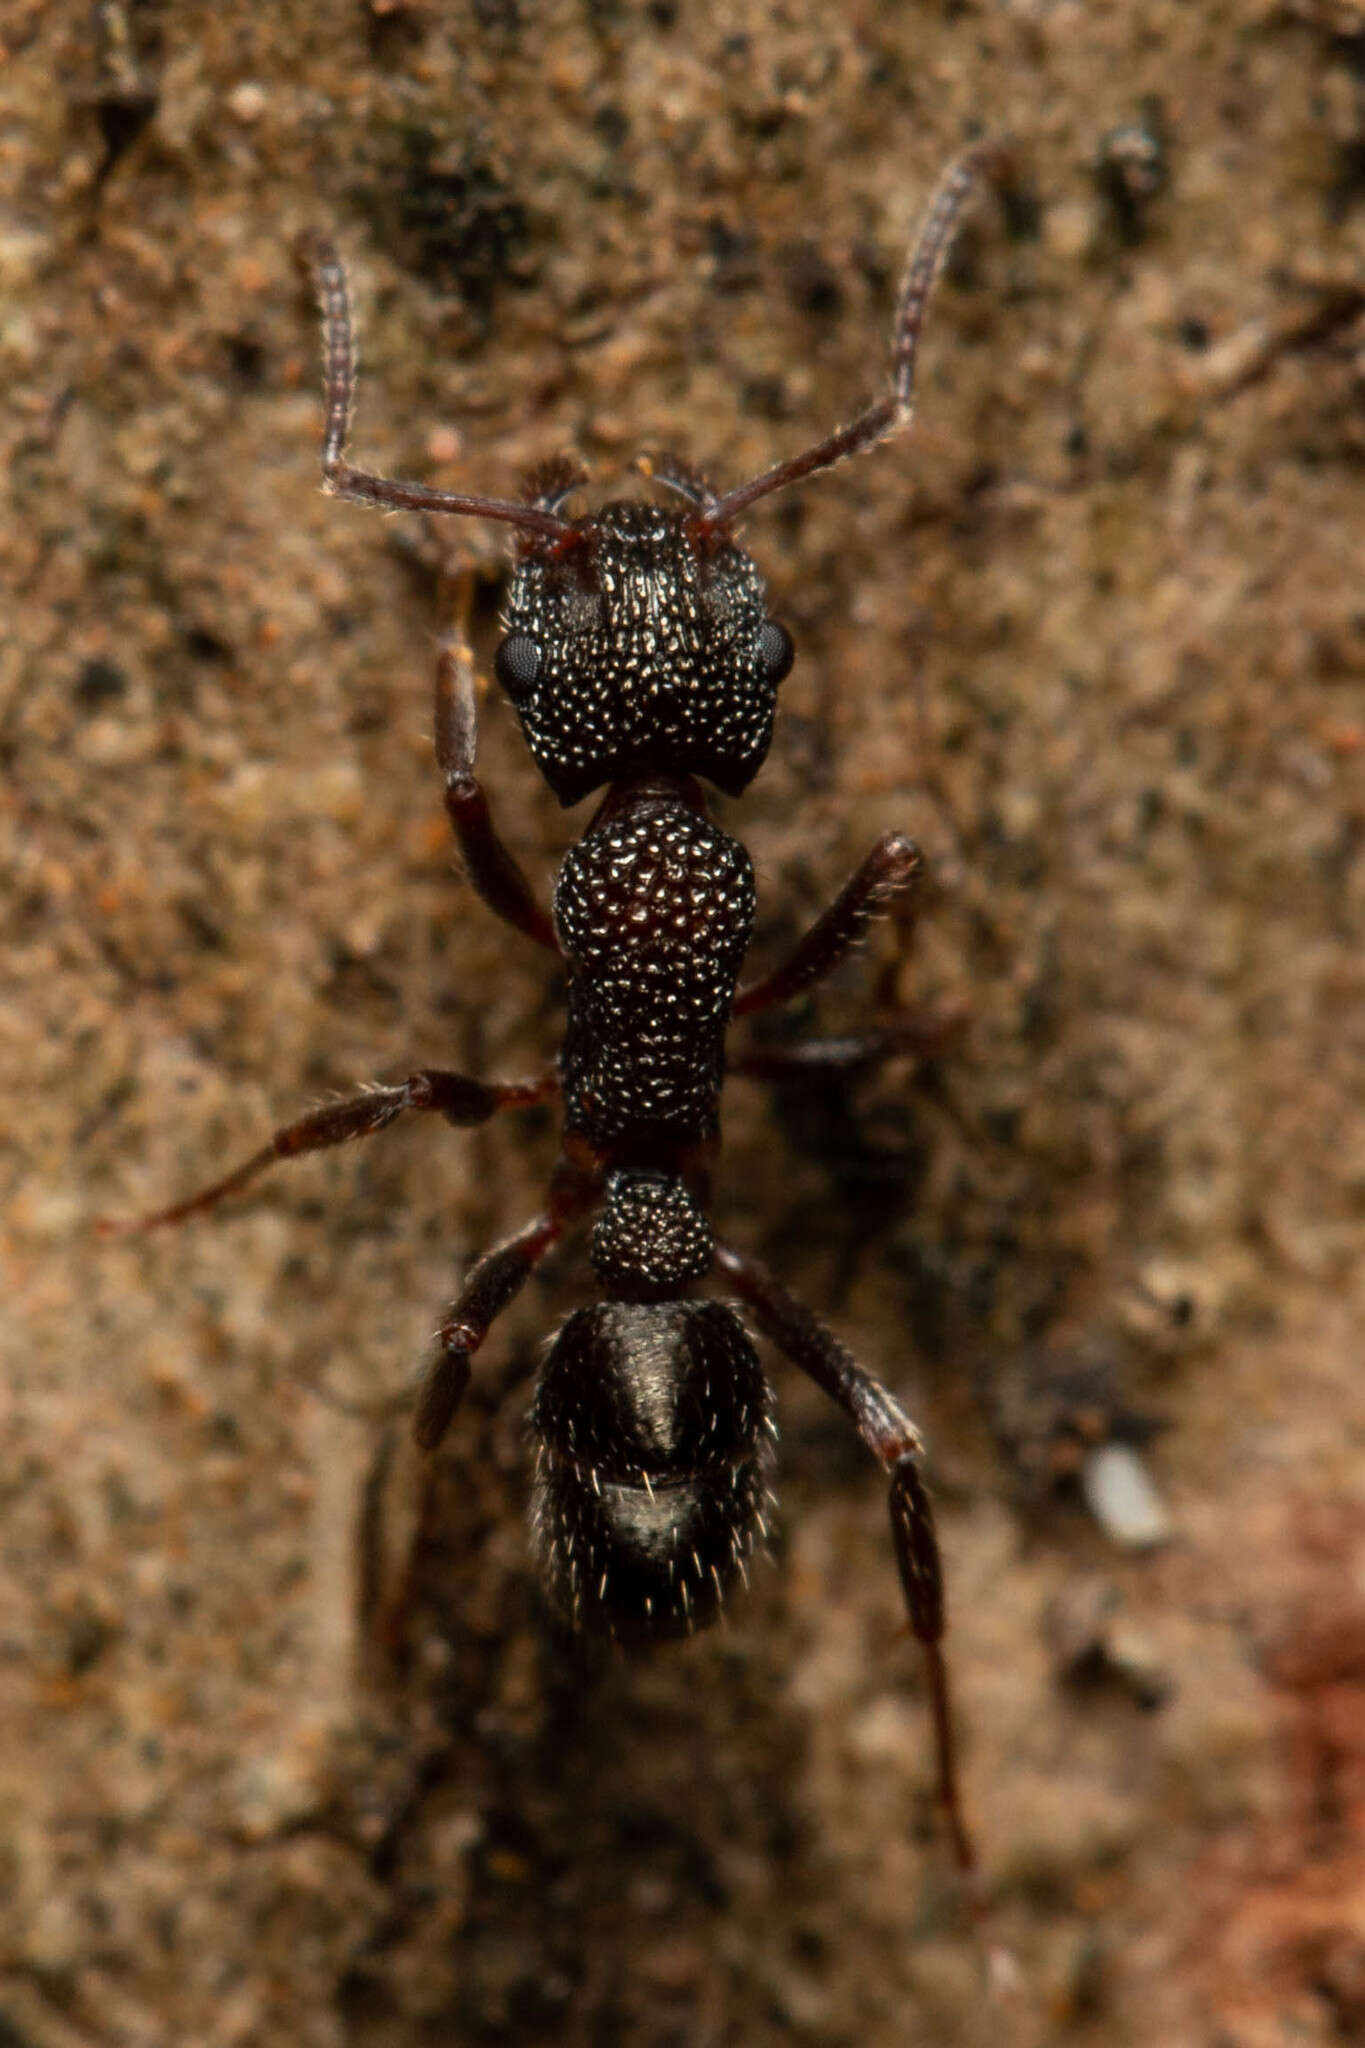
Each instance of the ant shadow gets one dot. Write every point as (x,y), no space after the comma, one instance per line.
(586,1843)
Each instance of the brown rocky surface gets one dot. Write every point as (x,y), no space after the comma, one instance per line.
(1095,635)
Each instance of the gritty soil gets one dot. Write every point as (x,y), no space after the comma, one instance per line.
(1094,634)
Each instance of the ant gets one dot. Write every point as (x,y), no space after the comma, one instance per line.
(639,654)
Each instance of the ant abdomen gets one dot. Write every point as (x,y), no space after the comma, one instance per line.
(652,1422)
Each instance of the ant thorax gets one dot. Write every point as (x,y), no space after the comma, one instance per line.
(641,643)
(654,908)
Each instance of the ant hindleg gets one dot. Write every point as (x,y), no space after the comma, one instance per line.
(893,1439)
(460,1100)
(400,1488)
(491,1283)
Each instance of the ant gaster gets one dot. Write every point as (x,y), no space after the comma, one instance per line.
(639,654)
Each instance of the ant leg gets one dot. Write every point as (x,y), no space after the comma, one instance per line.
(491,1283)
(893,868)
(339,362)
(492,869)
(890,1435)
(922,1035)
(489,1286)
(458,1099)
(400,1488)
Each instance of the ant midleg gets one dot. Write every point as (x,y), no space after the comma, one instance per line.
(893,868)
(920,1034)
(458,1098)
(493,870)
(893,1439)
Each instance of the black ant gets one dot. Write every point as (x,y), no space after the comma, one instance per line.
(639,653)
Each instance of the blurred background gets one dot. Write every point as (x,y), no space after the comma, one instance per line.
(1094,633)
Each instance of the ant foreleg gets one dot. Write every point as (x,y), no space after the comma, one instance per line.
(892,1438)
(460,1100)
(492,869)
(893,868)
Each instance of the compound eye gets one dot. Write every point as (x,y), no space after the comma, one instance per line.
(776,652)
(518,663)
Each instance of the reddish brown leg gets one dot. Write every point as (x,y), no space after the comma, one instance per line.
(491,1283)
(891,869)
(458,1099)
(492,869)
(921,1035)
(399,1494)
(891,1436)
(489,1286)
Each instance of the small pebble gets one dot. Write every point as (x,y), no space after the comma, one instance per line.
(247,102)
(1120,1495)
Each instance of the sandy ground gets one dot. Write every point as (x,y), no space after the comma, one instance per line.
(1096,636)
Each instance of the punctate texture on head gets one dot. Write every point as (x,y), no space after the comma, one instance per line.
(641,649)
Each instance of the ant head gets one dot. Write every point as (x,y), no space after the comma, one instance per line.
(640,643)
